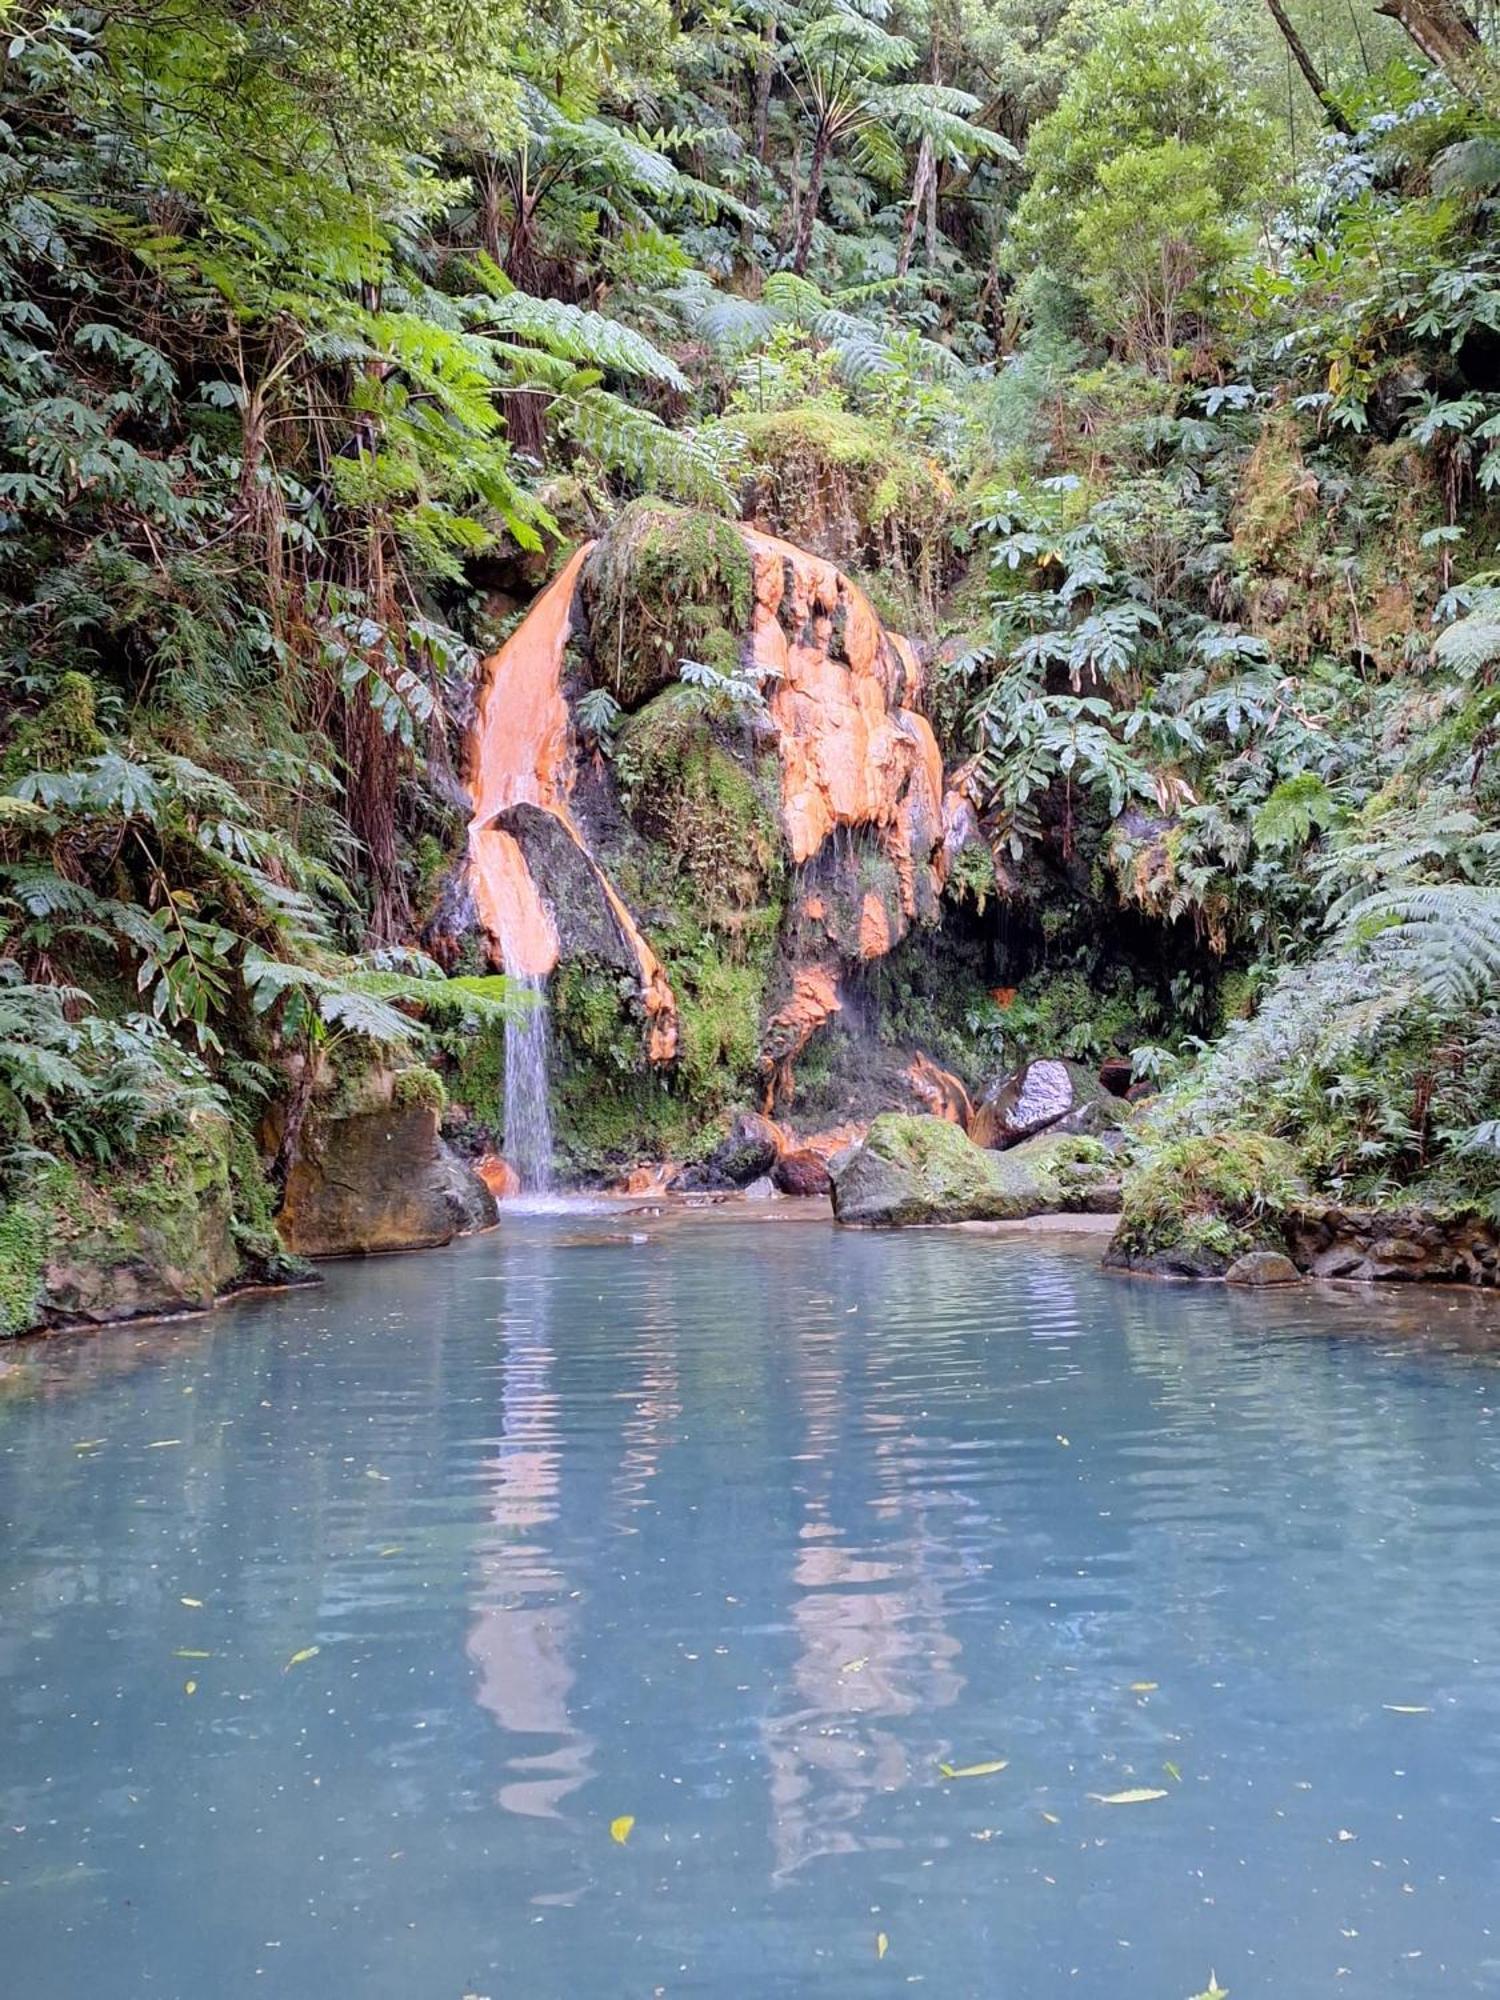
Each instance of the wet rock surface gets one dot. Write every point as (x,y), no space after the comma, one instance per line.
(1406,1245)
(1042,1095)
(1262,1267)
(383,1179)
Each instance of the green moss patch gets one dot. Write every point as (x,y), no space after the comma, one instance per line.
(1201,1202)
(665,584)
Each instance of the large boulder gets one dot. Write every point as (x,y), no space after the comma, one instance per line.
(381,1179)
(168,1233)
(923,1170)
(1042,1096)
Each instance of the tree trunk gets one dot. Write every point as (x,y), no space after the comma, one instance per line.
(809,211)
(1309,69)
(1449,40)
(765,76)
(919,179)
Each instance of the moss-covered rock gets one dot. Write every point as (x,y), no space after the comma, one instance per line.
(665,584)
(913,1169)
(170,1233)
(1198,1204)
(63,733)
(711,808)
(848,488)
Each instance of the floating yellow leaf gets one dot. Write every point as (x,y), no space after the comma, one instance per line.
(307,1653)
(975,1770)
(1173,1773)
(190,1687)
(1213,1990)
(855,1666)
(160,1444)
(1137,1797)
(1144,1687)
(187,1653)
(393,1550)
(88,1444)
(882,1944)
(1051,1818)
(1400,1708)
(619,1829)
(192,1603)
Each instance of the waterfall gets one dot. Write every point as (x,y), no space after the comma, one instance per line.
(528,1115)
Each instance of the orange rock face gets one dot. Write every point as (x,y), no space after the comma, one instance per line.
(498,1175)
(941,1092)
(853,752)
(814,1000)
(523,755)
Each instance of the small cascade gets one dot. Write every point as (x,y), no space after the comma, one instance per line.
(528,1114)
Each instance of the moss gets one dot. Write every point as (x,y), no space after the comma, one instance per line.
(419,1086)
(917,1169)
(27,1226)
(850,488)
(62,734)
(664,585)
(254,1198)
(1209,1199)
(714,815)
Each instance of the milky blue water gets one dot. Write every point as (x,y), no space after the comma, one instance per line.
(740,1531)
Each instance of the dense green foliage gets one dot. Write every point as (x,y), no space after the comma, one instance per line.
(1145,367)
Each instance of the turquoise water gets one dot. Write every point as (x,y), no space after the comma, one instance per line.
(740,1529)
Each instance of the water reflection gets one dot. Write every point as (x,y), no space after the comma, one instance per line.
(867,1614)
(523,1625)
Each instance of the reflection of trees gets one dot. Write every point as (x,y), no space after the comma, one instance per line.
(522,1627)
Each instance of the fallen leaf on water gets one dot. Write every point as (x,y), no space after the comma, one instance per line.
(1137,1797)
(855,1666)
(187,1653)
(190,1687)
(975,1770)
(88,1444)
(394,1550)
(882,1944)
(619,1829)
(1213,1990)
(1144,1687)
(192,1603)
(1051,1818)
(307,1653)
(160,1444)
(1173,1773)
(1400,1708)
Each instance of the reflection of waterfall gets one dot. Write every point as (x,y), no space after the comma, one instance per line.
(528,1115)
(522,1633)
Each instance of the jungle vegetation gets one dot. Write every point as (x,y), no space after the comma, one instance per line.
(1150,351)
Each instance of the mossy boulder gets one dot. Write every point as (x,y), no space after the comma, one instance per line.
(665,584)
(170,1232)
(914,1169)
(1201,1203)
(846,487)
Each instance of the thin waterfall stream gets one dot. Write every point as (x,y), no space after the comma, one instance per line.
(528,1114)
